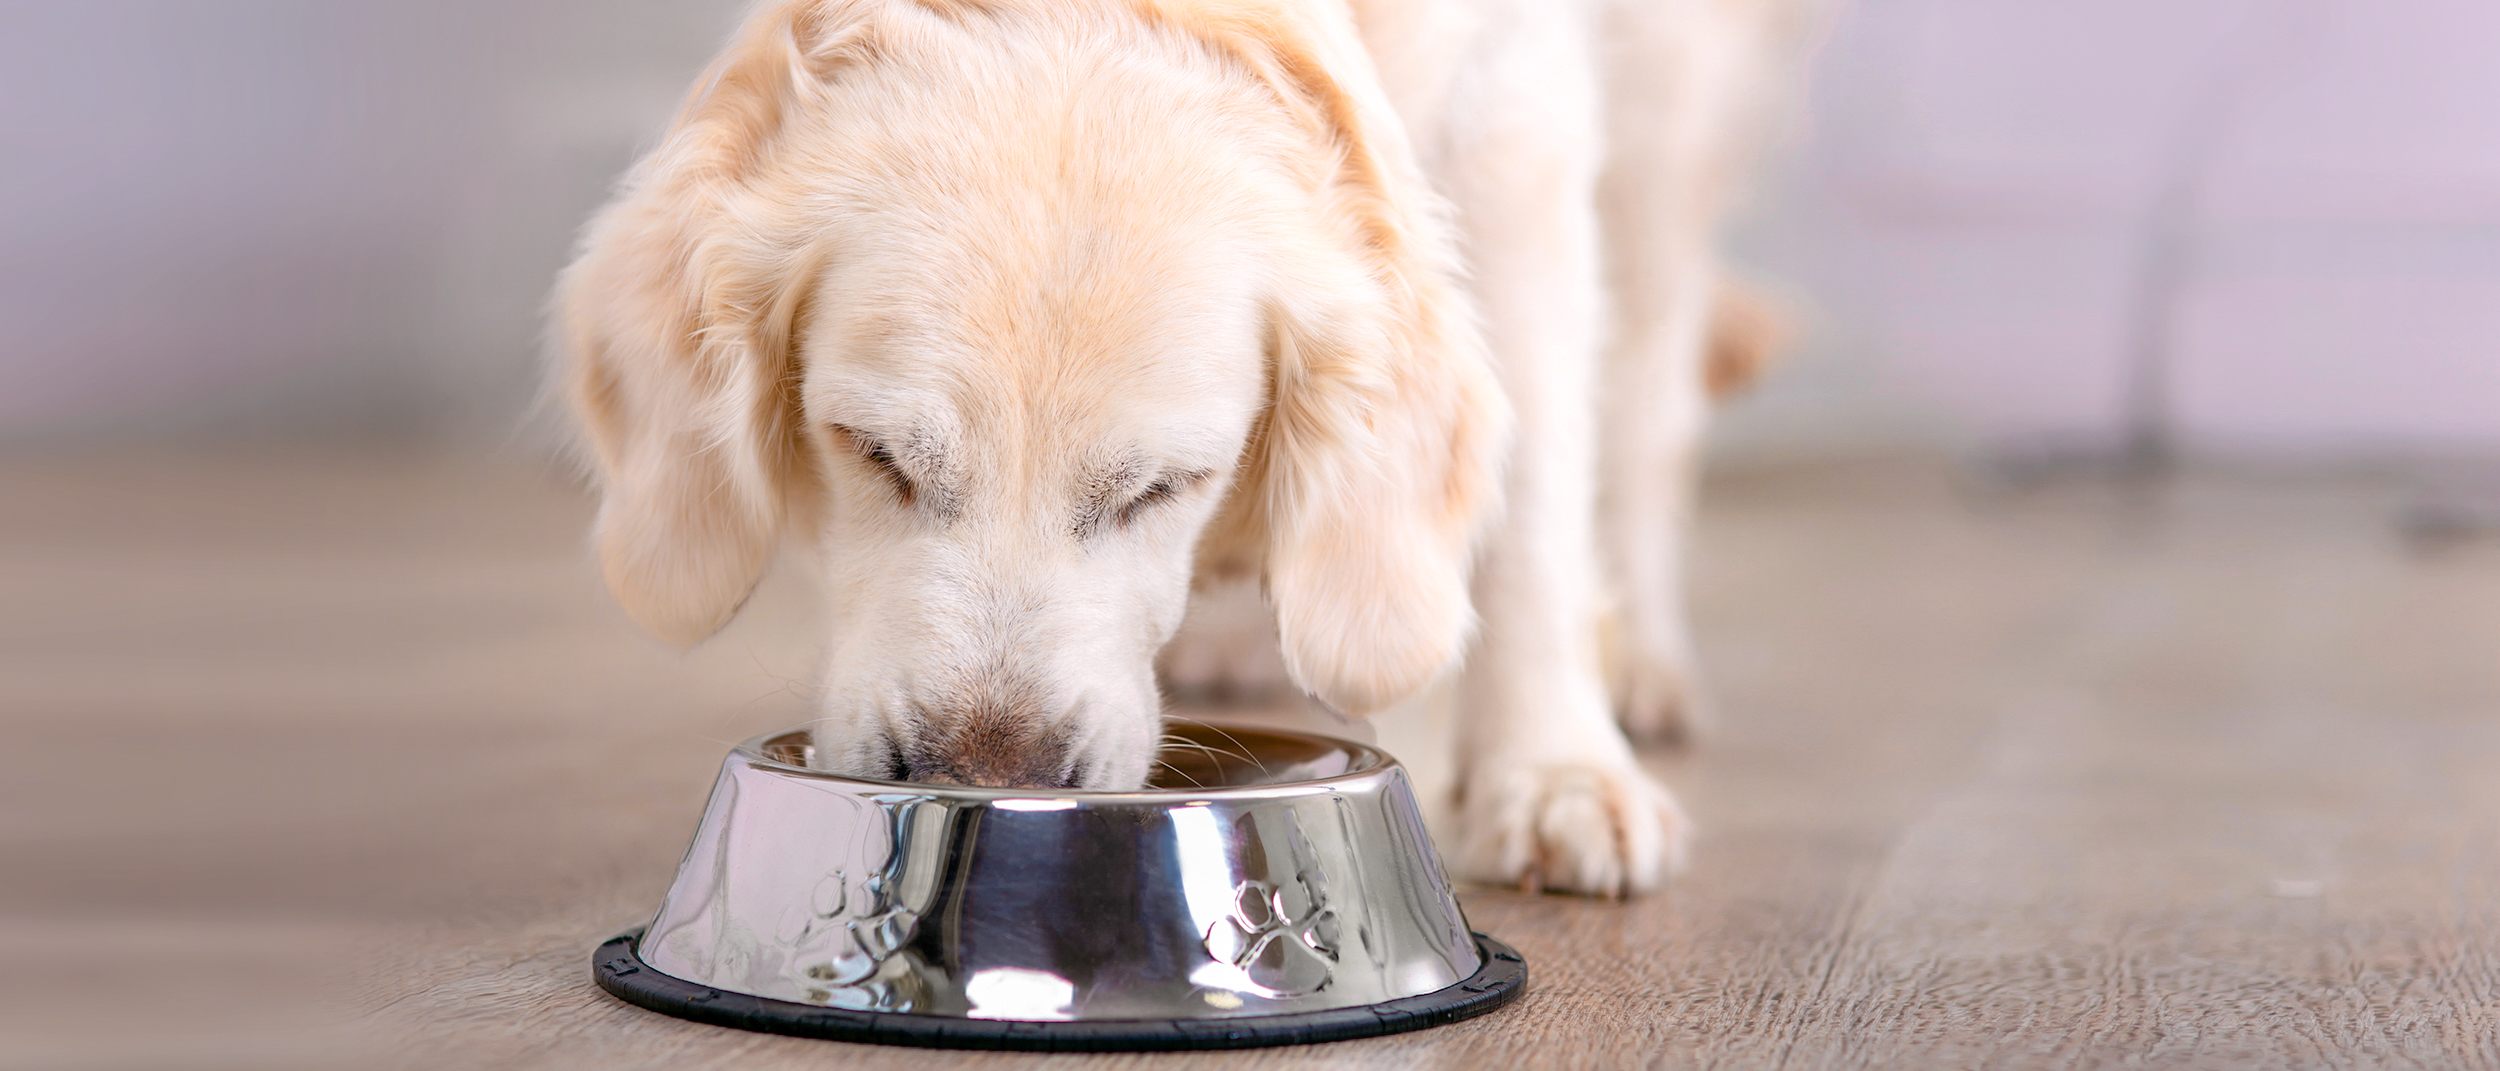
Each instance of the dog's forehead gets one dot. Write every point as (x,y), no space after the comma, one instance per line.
(1063,268)
(1087,374)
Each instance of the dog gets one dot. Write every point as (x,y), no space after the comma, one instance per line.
(1028,318)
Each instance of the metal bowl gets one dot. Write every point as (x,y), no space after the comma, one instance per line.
(1270,888)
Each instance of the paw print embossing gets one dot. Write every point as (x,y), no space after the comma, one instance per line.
(847,935)
(1283,936)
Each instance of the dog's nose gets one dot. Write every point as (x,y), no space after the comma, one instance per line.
(1018,760)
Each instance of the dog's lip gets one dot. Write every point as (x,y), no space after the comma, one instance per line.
(1360,760)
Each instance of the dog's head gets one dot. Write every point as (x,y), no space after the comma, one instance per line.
(1020,322)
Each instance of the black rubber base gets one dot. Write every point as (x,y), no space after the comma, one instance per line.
(619,969)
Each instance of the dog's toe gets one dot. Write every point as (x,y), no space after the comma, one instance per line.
(1592,828)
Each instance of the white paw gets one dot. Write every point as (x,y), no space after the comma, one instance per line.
(1226,651)
(1593,827)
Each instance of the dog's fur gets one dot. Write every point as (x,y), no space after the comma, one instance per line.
(1028,315)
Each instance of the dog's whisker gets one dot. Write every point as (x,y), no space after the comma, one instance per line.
(1192,745)
(1243,754)
(1180,773)
(1176,740)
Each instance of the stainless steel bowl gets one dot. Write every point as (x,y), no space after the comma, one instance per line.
(1271,887)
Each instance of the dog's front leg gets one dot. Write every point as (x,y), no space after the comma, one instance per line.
(1550,794)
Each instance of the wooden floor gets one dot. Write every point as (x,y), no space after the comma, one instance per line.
(339,762)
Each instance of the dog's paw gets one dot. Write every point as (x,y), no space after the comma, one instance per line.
(1225,652)
(1658,698)
(1597,828)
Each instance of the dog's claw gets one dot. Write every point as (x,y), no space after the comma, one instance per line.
(1593,828)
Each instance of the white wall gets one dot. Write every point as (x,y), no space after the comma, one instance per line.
(262,215)
(2291,208)
(268,215)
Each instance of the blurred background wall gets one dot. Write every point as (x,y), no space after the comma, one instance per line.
(2246,227)
(2262,228)
(290,217)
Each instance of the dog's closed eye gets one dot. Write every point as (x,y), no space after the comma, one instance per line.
(880,458)
(1162,490)
(1111,507)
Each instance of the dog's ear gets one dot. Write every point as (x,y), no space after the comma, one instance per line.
(1379,459)
(1382,458)
(674,327)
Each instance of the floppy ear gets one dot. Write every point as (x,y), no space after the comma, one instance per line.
(1380,456)
(674,338)
(1383,457)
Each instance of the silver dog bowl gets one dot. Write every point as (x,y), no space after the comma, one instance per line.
(1270,888)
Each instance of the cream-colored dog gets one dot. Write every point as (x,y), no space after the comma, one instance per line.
(1027,316)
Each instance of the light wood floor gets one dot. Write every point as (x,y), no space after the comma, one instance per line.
(346,761)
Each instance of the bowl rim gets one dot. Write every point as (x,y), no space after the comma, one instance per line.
(1382,764)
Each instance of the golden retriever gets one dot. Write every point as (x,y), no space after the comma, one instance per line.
(1029,317)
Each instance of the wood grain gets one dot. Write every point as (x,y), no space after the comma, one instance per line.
(346,761)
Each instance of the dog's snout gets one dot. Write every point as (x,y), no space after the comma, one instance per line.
(991,746)
(1035,768)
